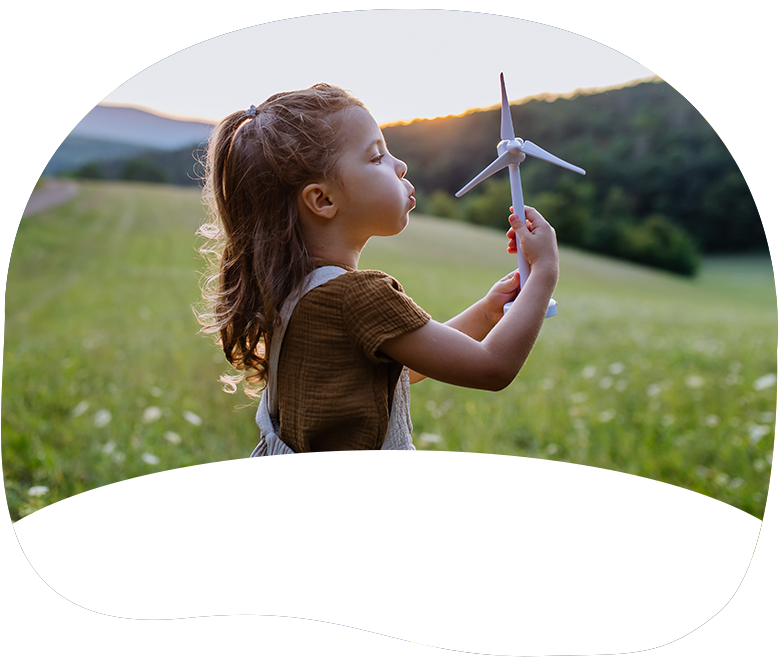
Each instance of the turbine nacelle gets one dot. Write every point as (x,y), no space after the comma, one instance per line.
(514,147)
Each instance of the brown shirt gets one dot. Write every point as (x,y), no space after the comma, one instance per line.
(334,385)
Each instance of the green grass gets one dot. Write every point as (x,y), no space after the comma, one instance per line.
(642,372)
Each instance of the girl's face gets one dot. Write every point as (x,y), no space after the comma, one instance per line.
(376,198)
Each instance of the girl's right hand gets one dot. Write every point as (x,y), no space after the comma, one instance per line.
(537,239)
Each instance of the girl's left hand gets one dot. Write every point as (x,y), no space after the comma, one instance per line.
(502,292)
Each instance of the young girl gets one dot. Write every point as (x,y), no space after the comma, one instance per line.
(296,187)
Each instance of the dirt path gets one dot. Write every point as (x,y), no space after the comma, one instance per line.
(53,192)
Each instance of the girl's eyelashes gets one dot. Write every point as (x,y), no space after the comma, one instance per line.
(378,158)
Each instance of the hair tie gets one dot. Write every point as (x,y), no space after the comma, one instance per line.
(252,112)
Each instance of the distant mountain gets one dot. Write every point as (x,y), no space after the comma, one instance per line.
(137,127)
(111,133)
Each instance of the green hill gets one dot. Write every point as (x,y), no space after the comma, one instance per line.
(105,376)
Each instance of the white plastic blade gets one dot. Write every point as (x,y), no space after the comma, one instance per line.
(507,130)
(536,151)
(498,164)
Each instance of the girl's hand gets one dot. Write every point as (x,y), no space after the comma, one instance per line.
(537,240)
(502,292)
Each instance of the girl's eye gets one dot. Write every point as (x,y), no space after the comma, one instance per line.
(378,158)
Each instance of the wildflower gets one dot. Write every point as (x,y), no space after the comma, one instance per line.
(102,417)
(653,389)
(736,482)
(759,465)
(722,479)
(552,448)
(712,421)
(192,418)
(108,447)
(172,436)
(589,371)
(758,431)
(765,381)
(616,368)
(621,385)
(693,381)
(667,420)
(38,491)
(430,438)
(80,409)
(607,415)
(151,459)
(152,414)
(606,382)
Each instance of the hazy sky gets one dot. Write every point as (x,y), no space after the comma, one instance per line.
(401,63)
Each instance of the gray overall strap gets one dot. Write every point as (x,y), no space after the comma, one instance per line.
(399,430)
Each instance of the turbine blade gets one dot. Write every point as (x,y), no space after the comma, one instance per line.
(536,151)
(507,130)
(498,164)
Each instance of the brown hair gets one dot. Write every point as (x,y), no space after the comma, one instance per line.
(256,164)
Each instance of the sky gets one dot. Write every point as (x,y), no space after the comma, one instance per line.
(403,64)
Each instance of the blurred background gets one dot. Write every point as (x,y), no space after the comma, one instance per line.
(661,362)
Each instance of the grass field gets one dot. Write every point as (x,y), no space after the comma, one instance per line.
(105,376)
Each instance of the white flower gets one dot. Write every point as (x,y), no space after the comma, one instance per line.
(759,465)
(712,420)
(607,415)
(172,436)
(37,491)
(589,371)
(552,448)
(108,447)
(694,381)
(667,420)
(606,382)
(430,438)
(765,381)
(736,482)
(151,459)
(653,389)
(192,418)
(152,414)
(616,368)
(722,479)
(81,408)
(767,417)
(102,417)
(758,431)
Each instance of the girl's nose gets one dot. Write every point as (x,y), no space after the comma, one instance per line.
(400,167)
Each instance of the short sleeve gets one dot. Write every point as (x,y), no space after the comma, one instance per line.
(375,309)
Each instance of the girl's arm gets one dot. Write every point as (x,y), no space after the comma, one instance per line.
(482,316)
(443,352)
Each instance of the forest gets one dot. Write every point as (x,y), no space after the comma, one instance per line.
(661,187)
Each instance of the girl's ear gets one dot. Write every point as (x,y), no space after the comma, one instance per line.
(318,198)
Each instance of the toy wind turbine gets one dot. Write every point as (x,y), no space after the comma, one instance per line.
(511,152)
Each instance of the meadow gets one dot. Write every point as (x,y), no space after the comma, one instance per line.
(105,376)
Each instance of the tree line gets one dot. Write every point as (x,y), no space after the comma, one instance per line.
(661,187)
